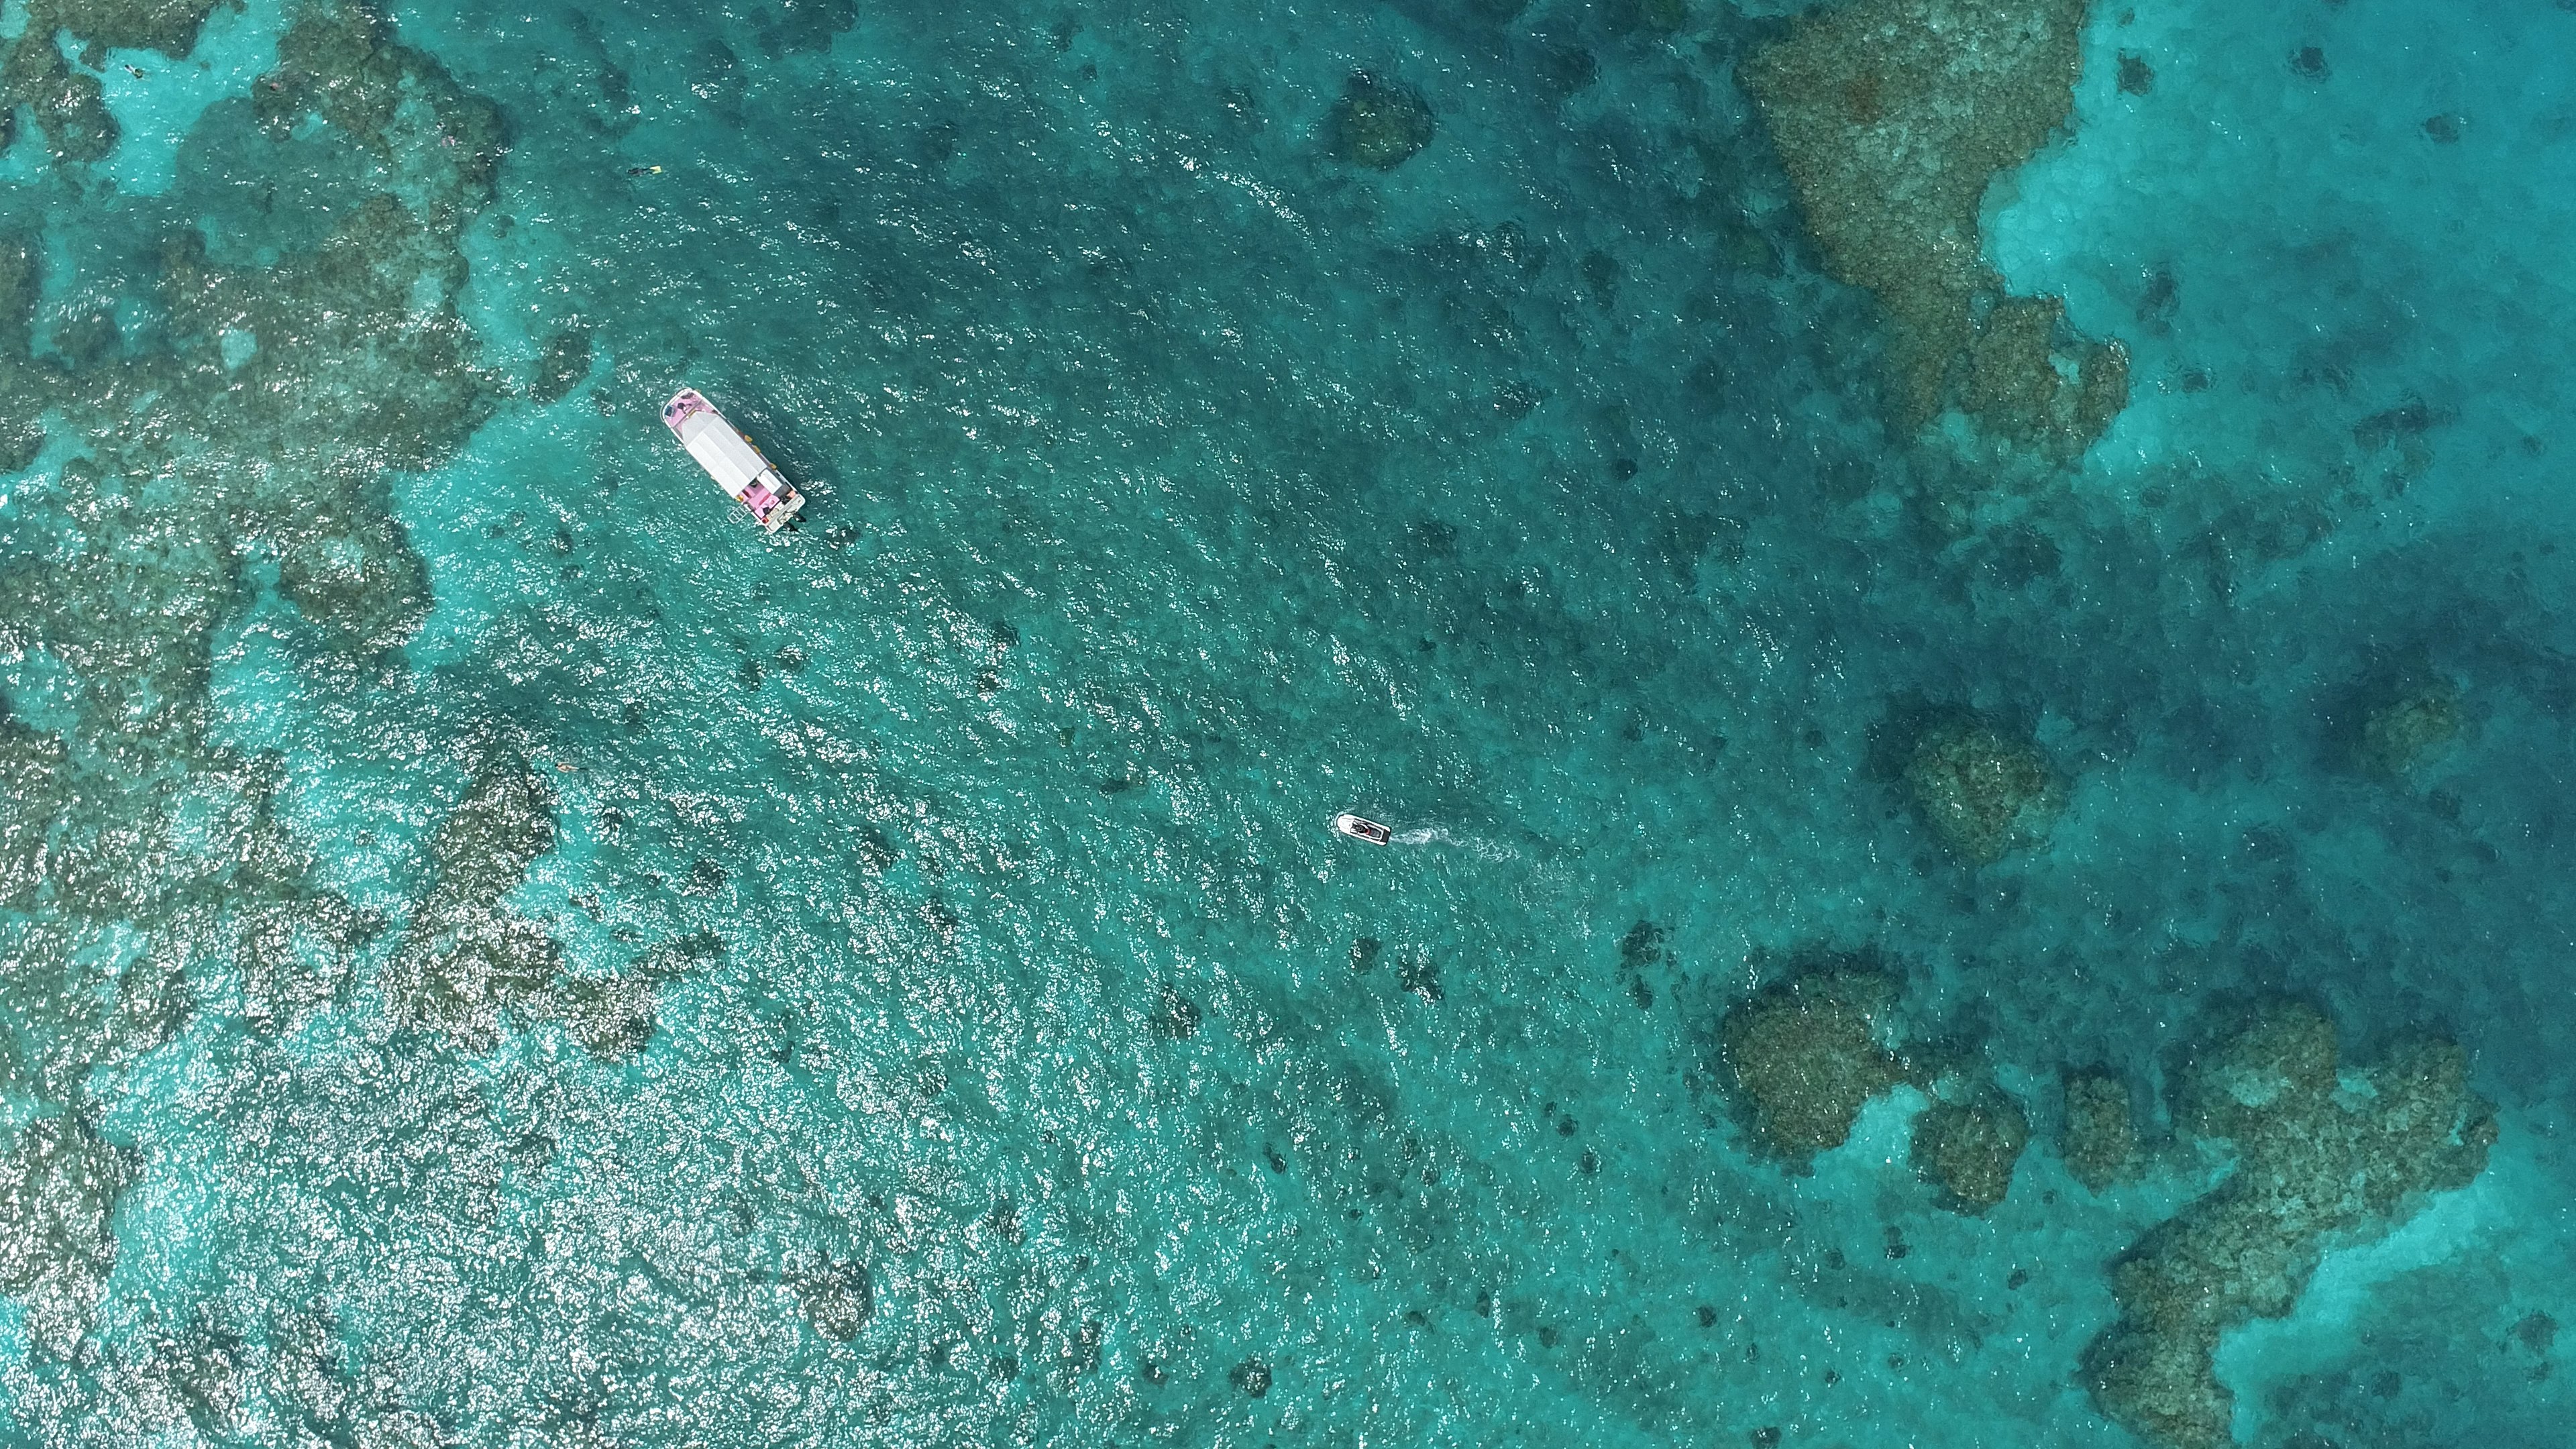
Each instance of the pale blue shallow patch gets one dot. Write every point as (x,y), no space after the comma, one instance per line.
(155,110)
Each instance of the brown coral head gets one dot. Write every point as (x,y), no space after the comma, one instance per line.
(2396,719)
(1985,794)
(1802,1056)
(1968,1149)
(2099,1139)
(1379,124)
(2410,731)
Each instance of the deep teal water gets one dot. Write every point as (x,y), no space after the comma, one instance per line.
(1175,485)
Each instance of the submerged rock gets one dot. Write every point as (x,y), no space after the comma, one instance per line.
(1379,124)
(2324,1157)
(168,26)
(467,956)
(1968,1149)
(58,1185)
(1891,117)
(66,103)
(1802,1055)
(2099,1140)
(2410,731)
(839,1300)
(611,1016)
(1985,795)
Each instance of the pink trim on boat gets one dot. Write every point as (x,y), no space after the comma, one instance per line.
(686,404)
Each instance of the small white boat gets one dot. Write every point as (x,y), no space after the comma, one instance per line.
(741,470)
(1359,829)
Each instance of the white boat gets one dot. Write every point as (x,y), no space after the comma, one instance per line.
(1359,829)
(741,470)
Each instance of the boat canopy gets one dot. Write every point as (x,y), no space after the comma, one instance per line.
(726,454)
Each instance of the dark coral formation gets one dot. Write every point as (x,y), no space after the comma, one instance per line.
(1379,124)
(838,1300)
(292,942)
(1650,17)
(1891,116)
(1968,1149)
(2099,1139)
(1802,1056)
(299,354)
(168,26)
(468,956)
(58,1182)
(35,791)
(2013,386)
(67,105)
(564,362)
(1985,795)
(2323,1157)
(2409,731)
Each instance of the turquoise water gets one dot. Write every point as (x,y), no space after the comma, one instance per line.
(499,951)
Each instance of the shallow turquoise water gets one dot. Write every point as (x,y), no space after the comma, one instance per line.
(1174,486)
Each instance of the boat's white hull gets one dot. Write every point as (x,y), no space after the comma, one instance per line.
(1359,829)
(744,473)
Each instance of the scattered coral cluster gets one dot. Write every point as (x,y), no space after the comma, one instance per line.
(2407,732)
(1985,795)
(2099,1140)
(1379,124)
(68,105)
(58,1181)
(168,26)
(468,955)
(298,356)
(1891,116)
(1802,1056)
(2324,1156)
(1968,1149)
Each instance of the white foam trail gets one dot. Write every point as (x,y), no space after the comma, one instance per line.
(1435,835)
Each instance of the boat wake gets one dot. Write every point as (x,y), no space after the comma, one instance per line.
(1435,835)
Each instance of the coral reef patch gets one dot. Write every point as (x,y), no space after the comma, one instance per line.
(2410,731)
(168,26)
(207,473)
(1802,1055)
(468,955)
(1968,1149)
(2099,1138)
(1379,124)
(1985,794)
(2324,1156)
(1891,117)
(58,1182)
(65,103)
